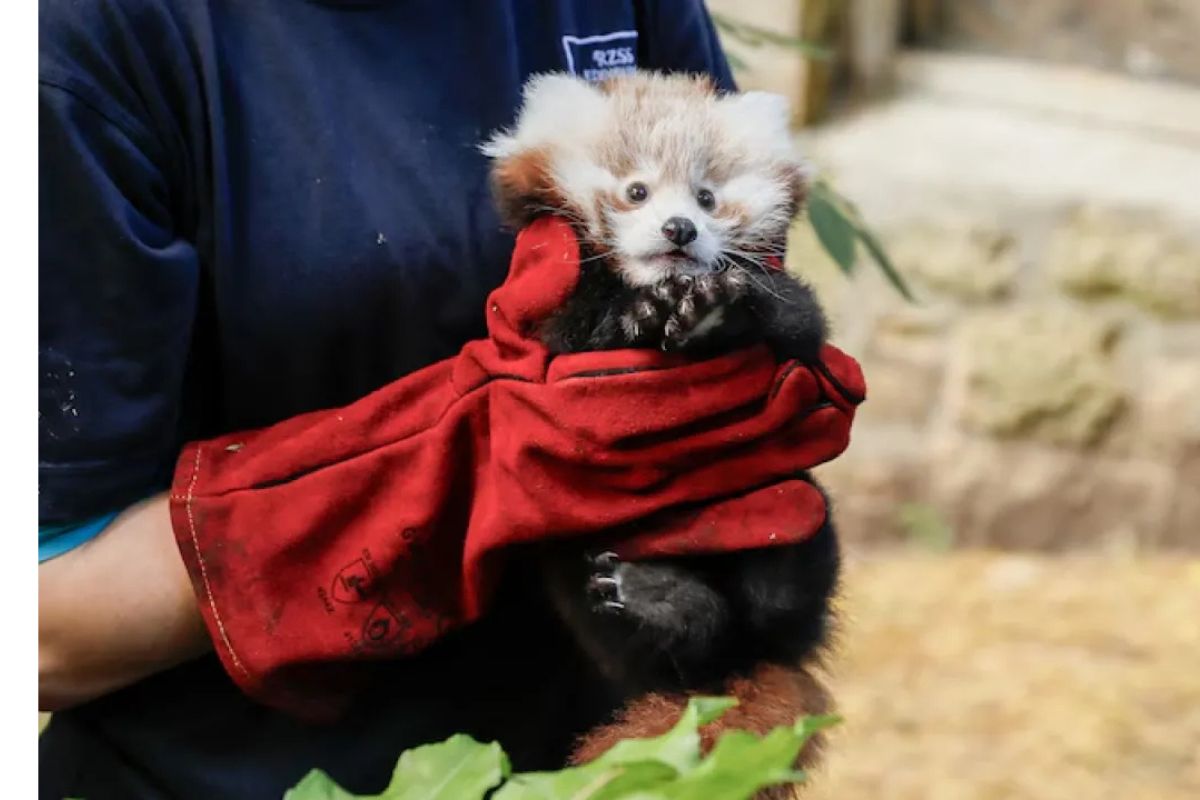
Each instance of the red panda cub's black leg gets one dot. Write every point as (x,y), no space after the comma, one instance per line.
(682,617)
(786,312)
(646,625)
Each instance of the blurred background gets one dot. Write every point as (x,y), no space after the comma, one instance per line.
(1021,503)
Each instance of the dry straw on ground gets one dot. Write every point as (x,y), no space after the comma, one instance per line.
(972,676)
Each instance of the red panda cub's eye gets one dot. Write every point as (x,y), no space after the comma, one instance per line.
(706,200)
(637,192)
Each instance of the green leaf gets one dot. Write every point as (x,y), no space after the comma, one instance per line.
(631,768)
(666,767)
(754,36)
(678,747)
(809,726)
(885,264)
(834,230)
(459,768)
(632,765)
(736,62)
(317,785)
(822,194)
(593,781)
(840,200)
(741,763)
(925,526)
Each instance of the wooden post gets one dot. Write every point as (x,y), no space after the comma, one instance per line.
(780,69)
(872,38)
(818,23)
(922,21)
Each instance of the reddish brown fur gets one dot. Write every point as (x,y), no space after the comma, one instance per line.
(732,211)
(617,157)
(618,154)
(615,201)
(599,243)
(797,184)
(703,84)
(770,697)
(523,185)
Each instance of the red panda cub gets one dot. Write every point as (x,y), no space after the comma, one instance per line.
(681,198)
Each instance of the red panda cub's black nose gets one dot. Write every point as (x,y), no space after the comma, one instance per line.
(679,231)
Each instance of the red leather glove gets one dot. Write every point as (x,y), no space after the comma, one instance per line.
(366,532)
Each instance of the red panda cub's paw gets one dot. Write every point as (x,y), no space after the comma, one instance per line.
(684,308)
(769,697)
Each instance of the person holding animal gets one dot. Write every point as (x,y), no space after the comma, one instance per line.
(265,236)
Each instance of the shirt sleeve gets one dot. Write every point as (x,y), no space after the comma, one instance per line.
(679,36)
(116,302)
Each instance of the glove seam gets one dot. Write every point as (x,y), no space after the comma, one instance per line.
(208,594)
(853,398)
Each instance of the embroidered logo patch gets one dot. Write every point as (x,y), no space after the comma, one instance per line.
(595,58)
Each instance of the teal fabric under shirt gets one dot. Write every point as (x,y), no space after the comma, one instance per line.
(54,540)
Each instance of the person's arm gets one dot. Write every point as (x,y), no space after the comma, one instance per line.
(115,610)
(117,296)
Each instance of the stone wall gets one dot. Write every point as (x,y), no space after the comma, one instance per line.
(1045,391)
(1043,394)
(1147,39)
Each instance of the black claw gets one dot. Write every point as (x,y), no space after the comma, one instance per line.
(609,607)
(603,585)
(607,560)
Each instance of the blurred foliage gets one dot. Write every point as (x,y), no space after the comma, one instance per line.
(924,526)
(667,767)
(840,229)
(835,220)
(754,36)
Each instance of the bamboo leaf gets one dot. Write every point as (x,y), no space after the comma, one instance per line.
(884,262)
(822,194)
(736,63)
(754,36)
(835,232)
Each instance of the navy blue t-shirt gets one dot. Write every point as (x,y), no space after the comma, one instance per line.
(250,209)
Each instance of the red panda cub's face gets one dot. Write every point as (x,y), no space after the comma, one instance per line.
(658,173)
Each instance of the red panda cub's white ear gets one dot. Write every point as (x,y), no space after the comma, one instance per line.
(761,123)
(559,115)
(757,119)
(554,108)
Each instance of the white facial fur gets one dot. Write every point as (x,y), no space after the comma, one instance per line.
(677,138)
